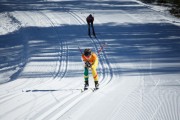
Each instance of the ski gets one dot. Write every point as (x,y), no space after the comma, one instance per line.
(91,89)
(87,89)
(95,89)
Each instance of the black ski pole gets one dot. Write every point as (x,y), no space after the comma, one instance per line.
(80,50)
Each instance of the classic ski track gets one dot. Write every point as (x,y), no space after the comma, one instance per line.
(108,63)
(30,82)
(63,65)
(64,55)
(57,114)
(60,69)
(9,97)
(64,52)
(68,102)
(41,110)
(19,106)
(60,60)
(55,72)
(50,111)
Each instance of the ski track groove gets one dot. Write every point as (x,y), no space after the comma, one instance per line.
(64,52)
(59,70)
(64,59)
(63,55)
(21,105)
(9,97)
(54,108)
(64,62)
(42,107)
(59,63)
(72,103)
(62,66)
(69,98)
(68,107)
(38,67)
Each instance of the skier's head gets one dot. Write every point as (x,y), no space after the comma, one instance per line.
(87,52)
(90,15)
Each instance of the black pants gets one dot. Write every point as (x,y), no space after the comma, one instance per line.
(89,30)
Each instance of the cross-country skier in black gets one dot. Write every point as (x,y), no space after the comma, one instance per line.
(90,20)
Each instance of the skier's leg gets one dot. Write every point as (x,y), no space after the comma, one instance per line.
(96,84)
(86,77)
(95,76)
(89,31)
(93,29)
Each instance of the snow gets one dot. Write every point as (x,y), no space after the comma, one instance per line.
(41,72)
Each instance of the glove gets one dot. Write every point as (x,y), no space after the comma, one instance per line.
(87,64)
(92,66)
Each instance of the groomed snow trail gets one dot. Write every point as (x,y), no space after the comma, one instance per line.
(42,73)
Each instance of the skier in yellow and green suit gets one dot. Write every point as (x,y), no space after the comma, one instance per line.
(90,60)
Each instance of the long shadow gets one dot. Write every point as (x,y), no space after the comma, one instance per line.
(132,43)
(145,43)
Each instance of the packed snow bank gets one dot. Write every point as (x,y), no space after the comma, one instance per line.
(8,23)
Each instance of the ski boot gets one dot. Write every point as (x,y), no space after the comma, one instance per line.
(86,85)
(96,85)
(94,35)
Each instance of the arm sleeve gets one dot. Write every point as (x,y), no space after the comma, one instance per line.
(82,58)
(95,61)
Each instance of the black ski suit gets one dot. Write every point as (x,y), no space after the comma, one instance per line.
(90,20)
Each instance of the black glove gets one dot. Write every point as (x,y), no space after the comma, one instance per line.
(87,64)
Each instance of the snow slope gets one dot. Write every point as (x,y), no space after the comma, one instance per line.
(41,72)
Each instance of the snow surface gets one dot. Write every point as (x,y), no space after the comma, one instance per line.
(41,72)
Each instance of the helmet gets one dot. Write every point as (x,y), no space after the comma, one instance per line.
(87,52)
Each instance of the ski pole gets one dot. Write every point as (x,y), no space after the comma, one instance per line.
(80,50)
(101,48)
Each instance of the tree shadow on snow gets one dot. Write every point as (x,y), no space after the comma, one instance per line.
(132,43)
